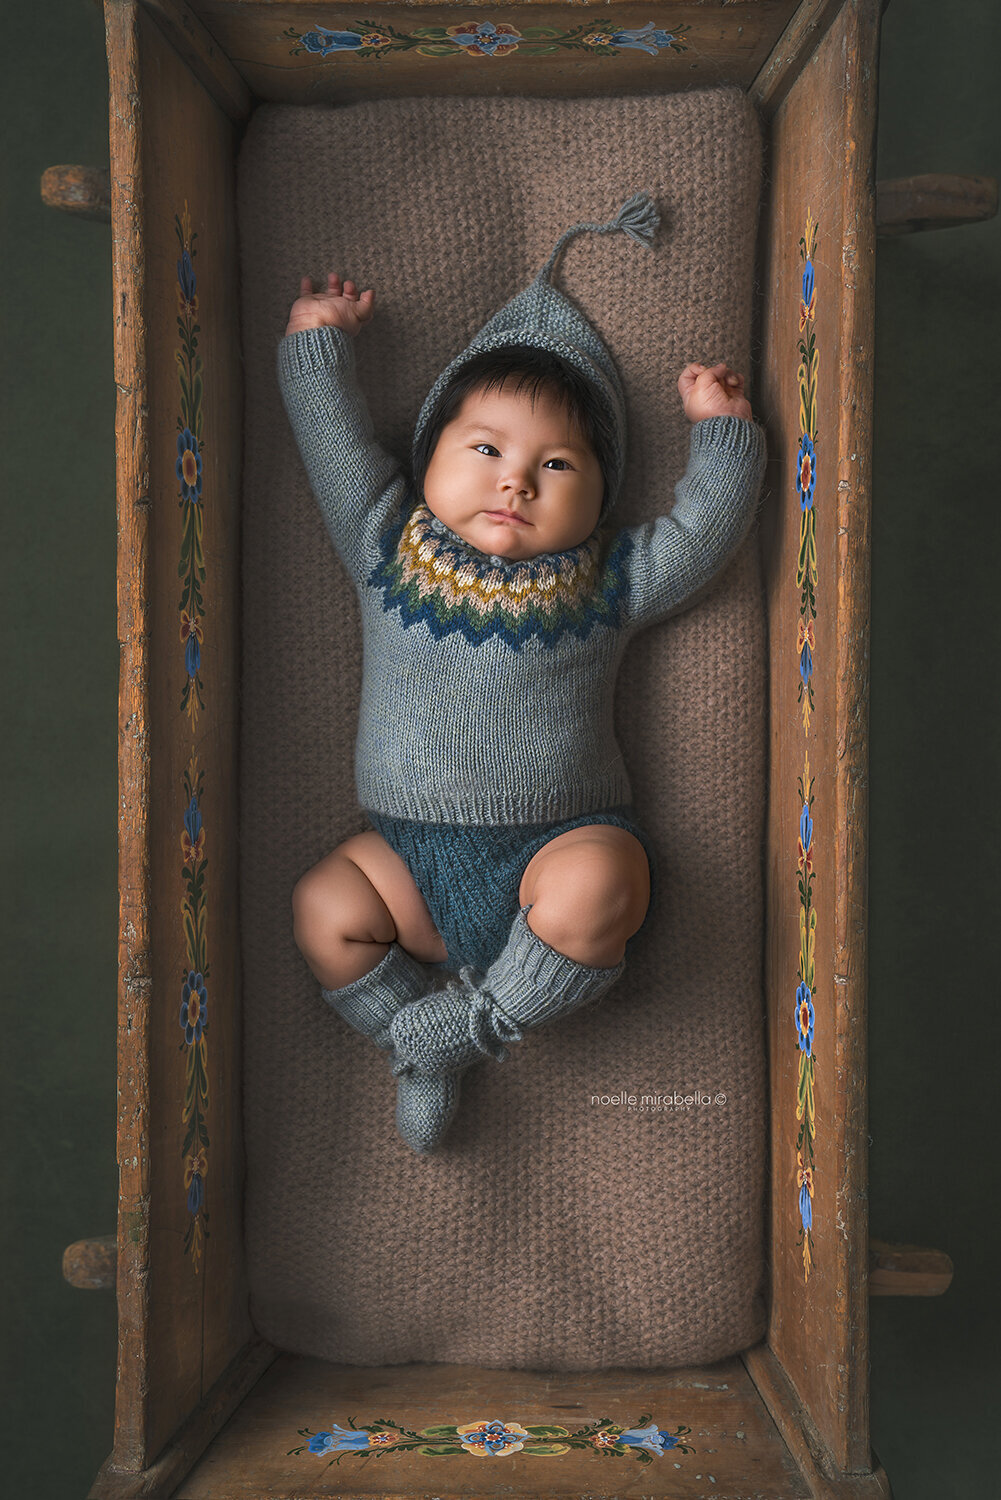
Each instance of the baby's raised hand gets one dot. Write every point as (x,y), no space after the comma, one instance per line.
(716,391)
(338,307)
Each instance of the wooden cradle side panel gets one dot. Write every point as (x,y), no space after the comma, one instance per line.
(818,262)
(181,1288)
(309,51)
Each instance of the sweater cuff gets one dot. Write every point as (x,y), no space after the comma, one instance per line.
(314,351)
(738,437)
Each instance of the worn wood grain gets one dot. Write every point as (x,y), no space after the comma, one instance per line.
(83,191)
(794,48)
(806,1446)
(933,200)
(160,1480)
(172,153)
(907,1270)
(203,55)
(821,149)
(134,897)
(90,1264)
(738,1453)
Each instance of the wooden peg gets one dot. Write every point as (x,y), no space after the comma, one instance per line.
(84,191)
(907,1270)
(935,200)
(91,1264)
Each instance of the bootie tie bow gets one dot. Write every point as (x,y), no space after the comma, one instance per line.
(452,1028)
(476,1016)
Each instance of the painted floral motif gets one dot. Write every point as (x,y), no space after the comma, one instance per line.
(492,1438)
(188,467)
(480,39)
(806,459)
(805,1016)
(650,39)
(194,1007)
(194,1000)
(194,1010)
(806,471)
(804,1181)
(431,576)
(488,39)
(806,582)
(191,636)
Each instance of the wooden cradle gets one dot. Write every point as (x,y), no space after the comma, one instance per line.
(204,1406)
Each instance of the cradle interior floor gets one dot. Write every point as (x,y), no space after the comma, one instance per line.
(691,1433)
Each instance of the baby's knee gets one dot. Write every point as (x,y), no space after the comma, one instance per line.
(605,891)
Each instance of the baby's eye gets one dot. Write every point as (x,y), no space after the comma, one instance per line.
(480,447)
(561,463)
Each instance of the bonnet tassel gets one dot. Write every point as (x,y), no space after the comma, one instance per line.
(638,218)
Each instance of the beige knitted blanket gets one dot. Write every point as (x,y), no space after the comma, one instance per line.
(561,1226)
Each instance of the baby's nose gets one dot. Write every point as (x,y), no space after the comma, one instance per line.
(517,479)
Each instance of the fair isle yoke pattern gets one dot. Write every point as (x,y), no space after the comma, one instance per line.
(432,577)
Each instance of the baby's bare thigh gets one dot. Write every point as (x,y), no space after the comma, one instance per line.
(393,882)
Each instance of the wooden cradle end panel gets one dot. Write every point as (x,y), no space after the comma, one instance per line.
(181,1287)
(299,51)
(817,260)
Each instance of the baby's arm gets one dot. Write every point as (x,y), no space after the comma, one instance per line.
(358,485)
(673,558)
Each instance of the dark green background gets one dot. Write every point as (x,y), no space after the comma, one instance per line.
(934,802)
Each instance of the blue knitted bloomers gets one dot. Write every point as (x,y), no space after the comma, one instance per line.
(470,874)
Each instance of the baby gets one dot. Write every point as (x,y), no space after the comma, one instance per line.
(496,604)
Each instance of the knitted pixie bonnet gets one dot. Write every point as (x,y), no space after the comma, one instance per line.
(543,318)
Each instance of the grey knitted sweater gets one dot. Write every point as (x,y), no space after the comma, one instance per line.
(487,685)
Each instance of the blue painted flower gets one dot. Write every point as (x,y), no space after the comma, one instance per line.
(194,1181)
(653,1438)
(193,837)
(186,276)
(192,655)
(341,1440)
(806,1198)
(486,39)
(487,1439)
(191,636)
(806,661)
(323,42)
(804,1018)
(806,472)
(189,465)
(805,828)
(808,306)
(648,39)
(194,1007)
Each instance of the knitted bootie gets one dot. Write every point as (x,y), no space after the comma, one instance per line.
(475,1016)
(425,1106)
(370,1003)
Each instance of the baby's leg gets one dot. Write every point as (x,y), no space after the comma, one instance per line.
(582,896)
(349,908)
(589,890)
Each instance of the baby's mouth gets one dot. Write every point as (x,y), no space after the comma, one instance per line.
(508,515)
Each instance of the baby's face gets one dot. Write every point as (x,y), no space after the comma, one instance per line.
(514,480)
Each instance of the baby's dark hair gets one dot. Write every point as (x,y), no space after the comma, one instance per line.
(533,370)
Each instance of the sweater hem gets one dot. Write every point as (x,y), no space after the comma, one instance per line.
(495,808)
